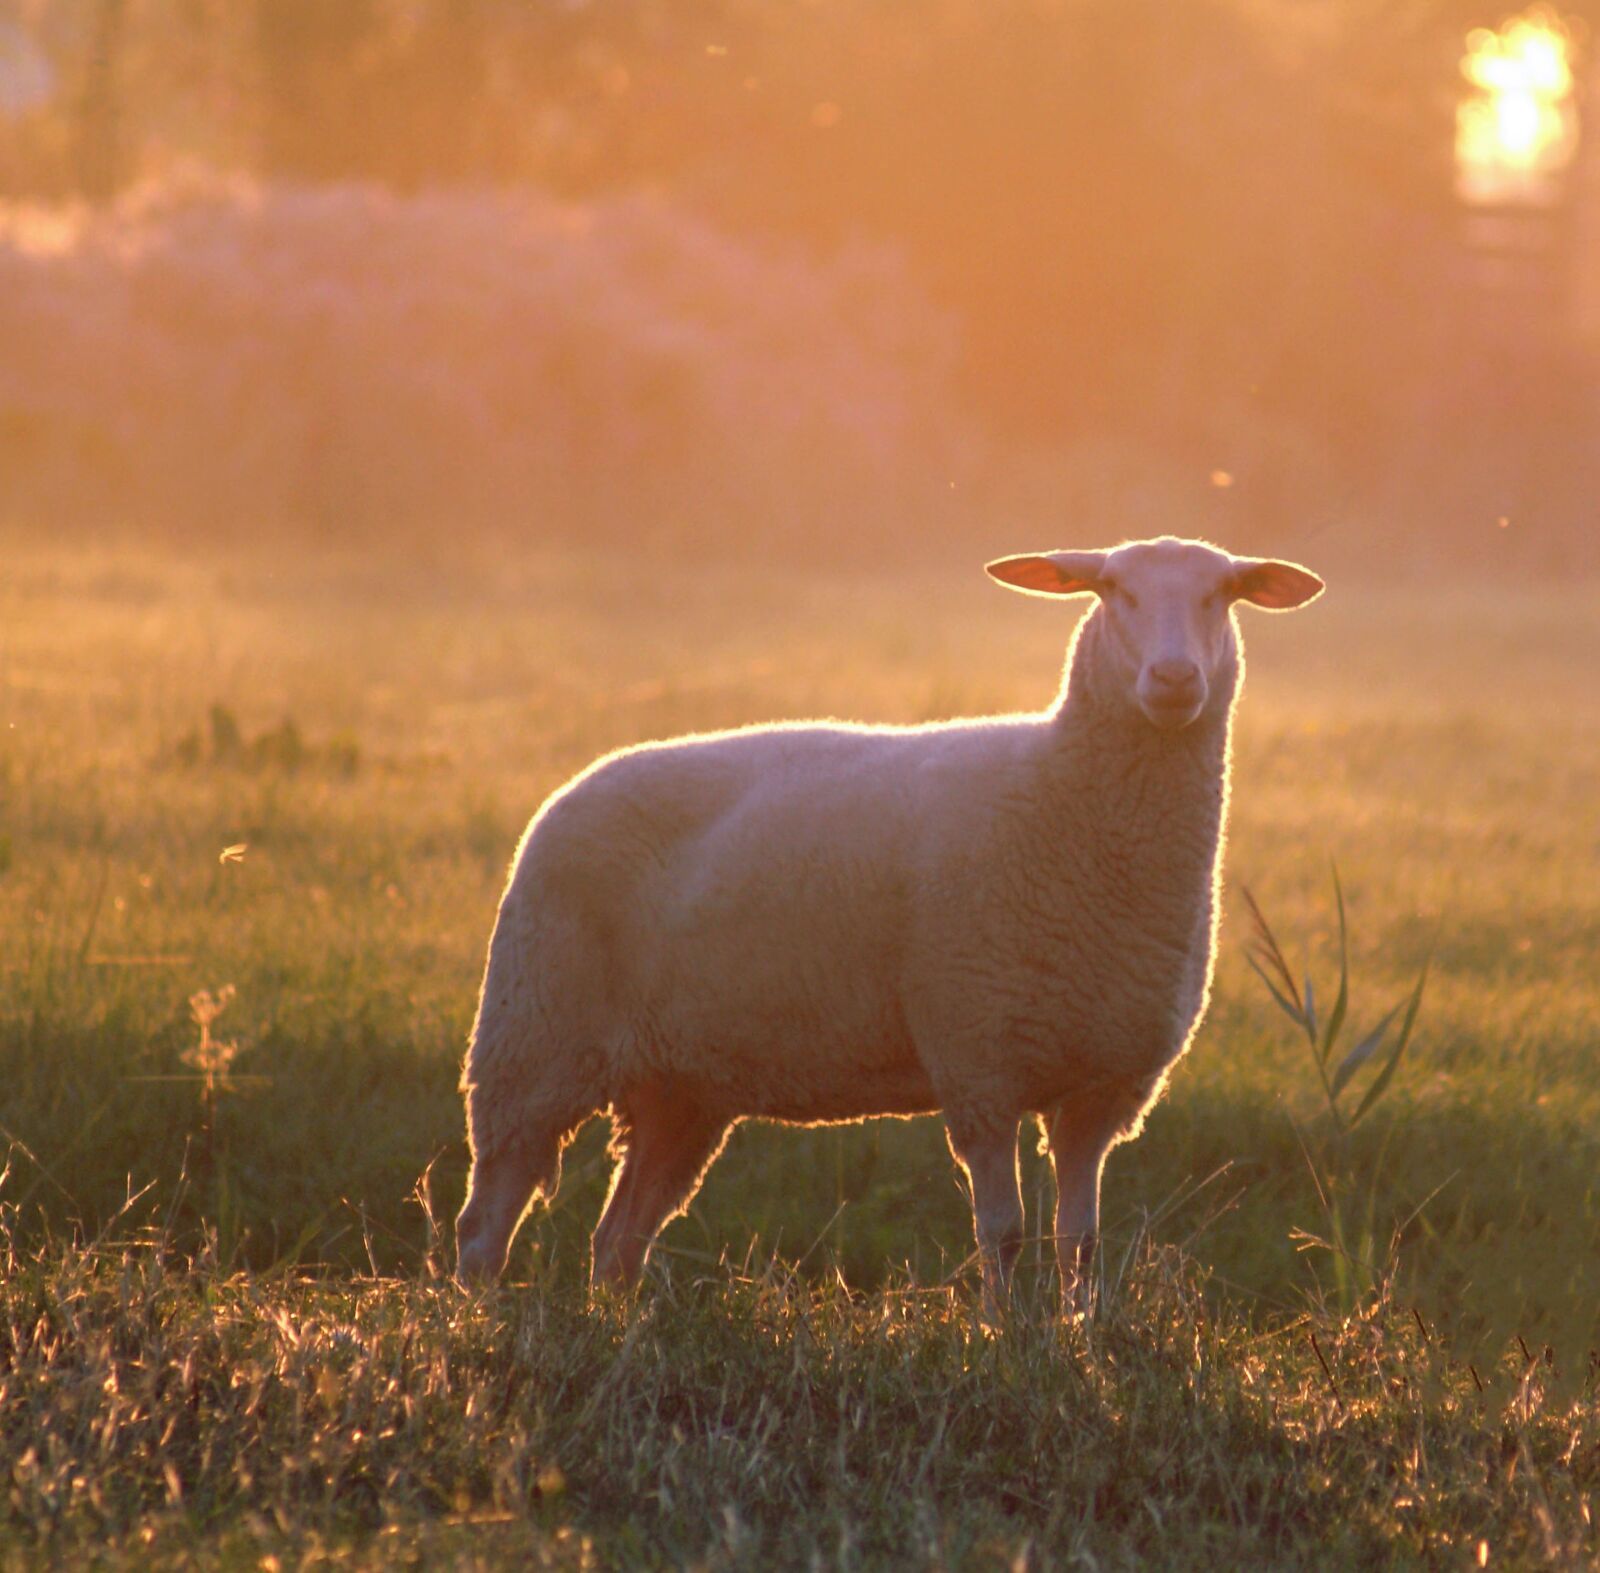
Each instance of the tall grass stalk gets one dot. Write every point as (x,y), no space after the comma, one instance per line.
(1349,1200)
(210,1061)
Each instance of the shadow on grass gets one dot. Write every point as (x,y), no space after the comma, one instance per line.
(1495,1207)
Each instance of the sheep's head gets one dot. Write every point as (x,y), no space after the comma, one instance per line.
(1165,617)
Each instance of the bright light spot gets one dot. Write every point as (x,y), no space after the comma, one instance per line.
(1221,478)
(1519,123)
(1519,126)
(40,231)
(826,116)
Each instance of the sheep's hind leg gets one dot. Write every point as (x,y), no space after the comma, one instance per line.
(667,1141)
(500,1190)
(989,1157)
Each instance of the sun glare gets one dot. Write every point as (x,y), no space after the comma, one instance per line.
(1518,126)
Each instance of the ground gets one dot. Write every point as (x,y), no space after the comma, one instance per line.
(224,1337)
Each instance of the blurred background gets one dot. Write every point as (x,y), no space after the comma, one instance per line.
(347,347)
(824,278)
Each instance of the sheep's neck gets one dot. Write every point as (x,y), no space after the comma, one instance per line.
(1157,799)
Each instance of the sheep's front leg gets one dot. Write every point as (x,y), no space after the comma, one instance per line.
(1081,1134)
(989,1156)
(500,1190)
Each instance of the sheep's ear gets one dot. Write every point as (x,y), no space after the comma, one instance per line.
(1050,573)
(1279,587)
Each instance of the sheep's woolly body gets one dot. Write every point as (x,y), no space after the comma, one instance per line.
(814,923)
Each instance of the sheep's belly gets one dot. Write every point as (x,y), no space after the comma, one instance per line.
(764,1044)
(899,1091)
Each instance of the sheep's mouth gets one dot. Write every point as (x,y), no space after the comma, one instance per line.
(1172,714)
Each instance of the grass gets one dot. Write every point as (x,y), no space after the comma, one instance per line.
(171,1417)
(1442,745)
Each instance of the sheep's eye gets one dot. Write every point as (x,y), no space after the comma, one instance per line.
(1112,587)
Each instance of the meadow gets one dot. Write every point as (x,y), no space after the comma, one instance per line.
(293,785)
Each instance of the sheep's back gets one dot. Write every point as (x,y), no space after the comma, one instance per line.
(752,891)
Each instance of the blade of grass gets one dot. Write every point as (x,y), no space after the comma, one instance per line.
(1267,943)
(1292,1011)
(1330,1031)
(1382,1079)
(1361,1053)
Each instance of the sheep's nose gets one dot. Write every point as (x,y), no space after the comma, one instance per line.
(1177,675)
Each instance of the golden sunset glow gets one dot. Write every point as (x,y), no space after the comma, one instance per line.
(1519,126)
(511,517)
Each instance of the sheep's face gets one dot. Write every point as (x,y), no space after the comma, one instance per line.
(1165,617)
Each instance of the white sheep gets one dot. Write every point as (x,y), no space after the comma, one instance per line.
(817,923)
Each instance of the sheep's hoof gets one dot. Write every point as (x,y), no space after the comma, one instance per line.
(477,1265)
(473,1279)
(1076,1312)
(996,1309)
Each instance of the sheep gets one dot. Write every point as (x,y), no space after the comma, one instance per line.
(824,922)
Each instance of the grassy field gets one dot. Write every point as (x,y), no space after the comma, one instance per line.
(224,1336)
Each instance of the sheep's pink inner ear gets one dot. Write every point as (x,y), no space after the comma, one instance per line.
(1060,573)
(1279,587)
